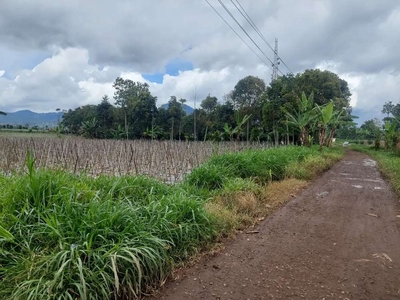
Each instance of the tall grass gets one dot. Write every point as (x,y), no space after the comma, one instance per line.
(75,237)
(64,236)
(262,166)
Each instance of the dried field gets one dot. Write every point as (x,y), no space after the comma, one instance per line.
(168,161)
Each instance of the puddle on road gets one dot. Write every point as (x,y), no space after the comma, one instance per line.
(322,194)
(357,186)
(365,179)
(378,188)
(369,163)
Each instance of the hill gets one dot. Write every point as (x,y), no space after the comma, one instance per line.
(189,110)
(23,117)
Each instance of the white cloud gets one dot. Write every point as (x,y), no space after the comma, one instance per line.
(68,80)
(88,48)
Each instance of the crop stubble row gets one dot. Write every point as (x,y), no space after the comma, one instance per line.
(168,161)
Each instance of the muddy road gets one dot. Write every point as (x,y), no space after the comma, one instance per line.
(339,239)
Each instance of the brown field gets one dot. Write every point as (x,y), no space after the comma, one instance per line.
(168,161)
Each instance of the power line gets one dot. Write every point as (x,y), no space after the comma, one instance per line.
(250,21)
(237,22)
(238,34)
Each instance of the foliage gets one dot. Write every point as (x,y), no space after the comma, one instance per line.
(65,237)
(391,135)
(389,164)
(324,116)
(135,111)
(303,117)
(259,165)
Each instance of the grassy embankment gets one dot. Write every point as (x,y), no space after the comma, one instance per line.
(388,161)
(64,236)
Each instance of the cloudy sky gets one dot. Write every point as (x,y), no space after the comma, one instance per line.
(66,53)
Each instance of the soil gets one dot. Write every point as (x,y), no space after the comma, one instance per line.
(338,239)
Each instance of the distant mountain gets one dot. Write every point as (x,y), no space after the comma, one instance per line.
(189,110)
(23,117)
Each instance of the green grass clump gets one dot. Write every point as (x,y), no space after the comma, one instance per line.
(261,165)
(66,237)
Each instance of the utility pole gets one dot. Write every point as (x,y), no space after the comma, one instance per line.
(275,65)
(194,115)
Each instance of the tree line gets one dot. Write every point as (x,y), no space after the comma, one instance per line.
(288,110)
(375,131)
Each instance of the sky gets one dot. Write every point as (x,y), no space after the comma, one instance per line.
(67,53)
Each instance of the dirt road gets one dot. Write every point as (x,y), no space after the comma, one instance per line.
(339,239)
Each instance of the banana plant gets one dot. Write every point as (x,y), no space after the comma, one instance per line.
(325,114)
(89,128)
(303,118)
(391,135)
(238,129)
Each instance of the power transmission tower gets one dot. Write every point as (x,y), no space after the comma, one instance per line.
(275,64)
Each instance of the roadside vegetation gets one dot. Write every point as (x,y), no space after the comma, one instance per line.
(385,146)
(388,161)
(67,236)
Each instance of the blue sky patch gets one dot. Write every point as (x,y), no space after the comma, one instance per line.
(14,61)
(172,68)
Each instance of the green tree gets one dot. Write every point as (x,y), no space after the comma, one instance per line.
(182,101)
(388,108)
(372,128)
(134,98)
(247,92)
(175,113)
(105,118)
(209,104)
(72,119)
(326,86)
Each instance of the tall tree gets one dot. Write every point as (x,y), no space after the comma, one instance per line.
(209,104)
(105,118)
(135,99)
(175,113)
(182,101)
(388,108)
(326,86)
(247,92)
